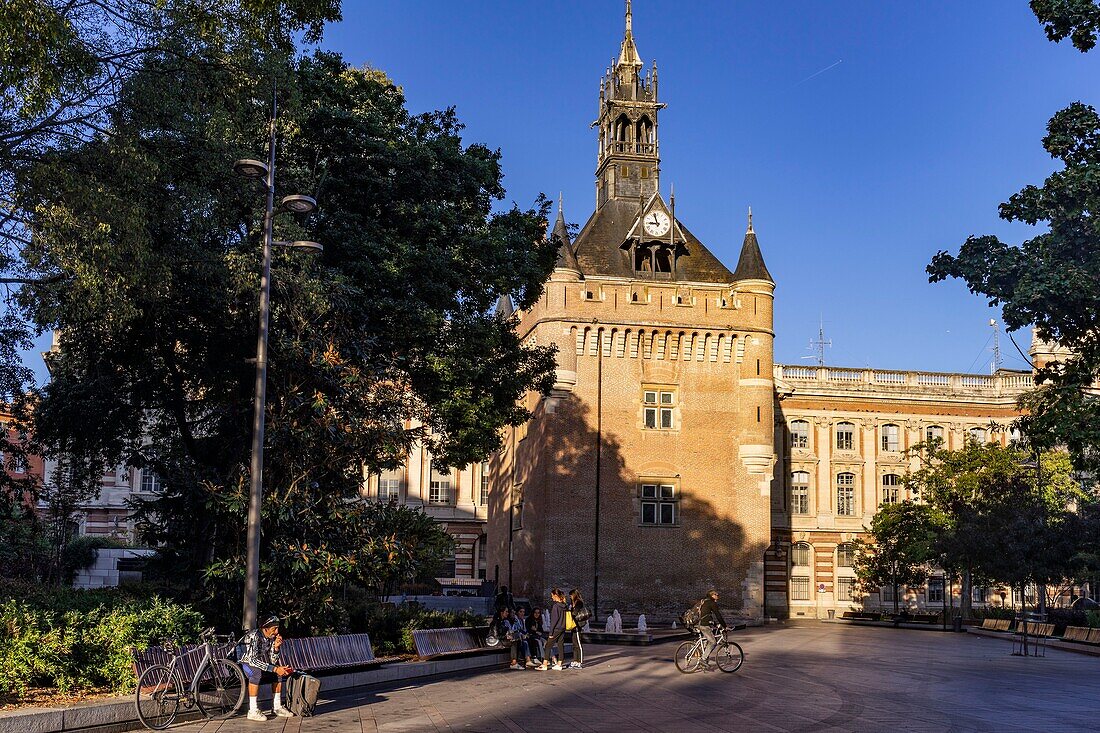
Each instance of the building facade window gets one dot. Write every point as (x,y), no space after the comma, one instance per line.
(935,590)
(659,405)
(800,588)
(891,488)
(482,556)
(845,556)
(846,494)
(800,434)
(484,483)
(979,435)
(933,434)
(891,438)
(389,485)
(845,588)
(660,504)
(800,492)
(800,555)
(439,485)
(845,436)
(886,592)
(150,482)
(978,594)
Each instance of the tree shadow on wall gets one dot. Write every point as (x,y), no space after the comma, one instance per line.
(656,570)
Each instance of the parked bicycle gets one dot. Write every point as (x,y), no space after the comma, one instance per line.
(727,654)
(217,687)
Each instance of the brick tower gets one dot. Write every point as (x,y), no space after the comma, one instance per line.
(644,478)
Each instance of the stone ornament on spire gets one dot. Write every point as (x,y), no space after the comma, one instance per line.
(750,222)
(628,55)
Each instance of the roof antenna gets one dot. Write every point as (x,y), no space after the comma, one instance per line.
(820,343)
(750,220)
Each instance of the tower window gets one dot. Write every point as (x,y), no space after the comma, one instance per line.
(660,504)
(660,407)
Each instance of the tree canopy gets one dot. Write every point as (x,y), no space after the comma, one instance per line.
(147,247)
(1052,281)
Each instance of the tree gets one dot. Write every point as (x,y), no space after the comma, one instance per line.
(902,547)
(1049,281)
(388,338)
(1000,516)
(61,79)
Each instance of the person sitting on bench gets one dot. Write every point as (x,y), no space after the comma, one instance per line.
(260,663)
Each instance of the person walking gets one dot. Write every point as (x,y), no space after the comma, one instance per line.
(581,614)
(557,632)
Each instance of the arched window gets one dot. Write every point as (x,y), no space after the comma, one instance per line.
(891,438)
(845,556)
(845,436)
(891,488)
(979,435)
(801,557)
(933,433)
(846,494)
(800,434)
(800,492)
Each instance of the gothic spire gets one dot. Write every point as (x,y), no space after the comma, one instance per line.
(750,266)
(567,259)
(628,55)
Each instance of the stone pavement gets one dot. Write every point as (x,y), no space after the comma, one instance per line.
(814,677)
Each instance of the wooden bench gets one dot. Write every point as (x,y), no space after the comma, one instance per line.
(996,624)
(1076,633)
(861,615)
(1037,630)
(310,654)
(187,665)
(1094,636)
(431,643)
(328,652)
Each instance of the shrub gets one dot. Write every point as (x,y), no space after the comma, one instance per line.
(73,639)
(1063,617)
(1093,618)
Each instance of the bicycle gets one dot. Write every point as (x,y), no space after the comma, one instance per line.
(727,654)
(217,688)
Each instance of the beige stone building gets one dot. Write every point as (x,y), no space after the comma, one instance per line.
(842,435)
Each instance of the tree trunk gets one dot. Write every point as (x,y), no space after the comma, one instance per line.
(966,602)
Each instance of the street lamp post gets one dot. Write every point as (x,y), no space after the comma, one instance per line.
(295,204)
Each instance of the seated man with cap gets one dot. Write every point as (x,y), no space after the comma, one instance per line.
(260,663)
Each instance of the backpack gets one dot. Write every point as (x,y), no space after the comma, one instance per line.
(302,690)
(693,615)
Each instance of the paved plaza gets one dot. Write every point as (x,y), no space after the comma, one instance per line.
(814,677)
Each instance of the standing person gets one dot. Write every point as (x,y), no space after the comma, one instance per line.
(557,631)
(710,621)
(260,662)
(504,599)
(536,634)
(581,614)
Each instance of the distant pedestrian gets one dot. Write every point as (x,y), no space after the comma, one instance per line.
(581,614)
(504,599)
(536,634)
(556,631)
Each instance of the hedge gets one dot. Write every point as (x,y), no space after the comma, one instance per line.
(81,639)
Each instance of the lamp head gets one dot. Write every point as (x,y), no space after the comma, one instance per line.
(301,244)
(252,169)
(298,204)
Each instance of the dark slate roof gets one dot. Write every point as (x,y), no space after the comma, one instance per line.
(566,259)
(504,307)
(598,248)
(751,265)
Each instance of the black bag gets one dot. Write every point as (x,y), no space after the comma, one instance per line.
(693,615)
(581,615)
(302,690)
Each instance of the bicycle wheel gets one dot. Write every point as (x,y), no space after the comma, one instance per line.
(729,656)
(689,656)
(158,697)
(221,689)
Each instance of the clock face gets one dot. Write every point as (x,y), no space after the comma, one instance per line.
(656,223)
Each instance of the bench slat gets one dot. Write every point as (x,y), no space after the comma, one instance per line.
(436,642)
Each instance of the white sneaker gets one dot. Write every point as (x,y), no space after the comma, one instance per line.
(283,712)
(557,667)
(513,665)
(257,716)
(574,665)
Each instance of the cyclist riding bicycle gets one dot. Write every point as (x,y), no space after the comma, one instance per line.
(710,622)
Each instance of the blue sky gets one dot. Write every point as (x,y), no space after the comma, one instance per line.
(857,175)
